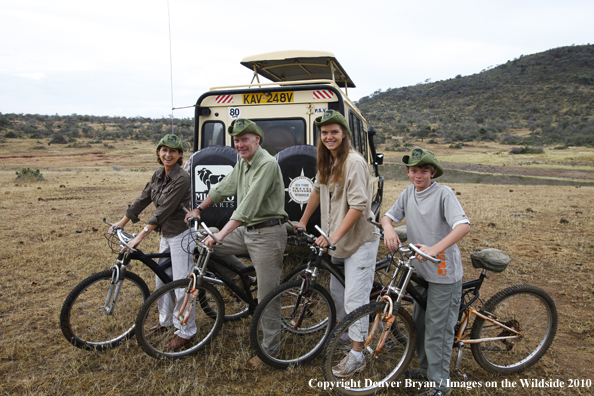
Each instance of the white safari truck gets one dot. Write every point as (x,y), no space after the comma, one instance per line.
(303,84)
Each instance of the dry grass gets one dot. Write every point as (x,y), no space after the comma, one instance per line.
(44,257)
(495,154)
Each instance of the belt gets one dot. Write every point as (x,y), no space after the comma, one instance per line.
(268,223)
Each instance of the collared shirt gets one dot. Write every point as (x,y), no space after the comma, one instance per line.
(167,193)
(337,198)
(259,187)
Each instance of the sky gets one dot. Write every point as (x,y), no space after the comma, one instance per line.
(142,58)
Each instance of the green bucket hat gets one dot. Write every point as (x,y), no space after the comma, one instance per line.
(333,117)
(243,125)
(420,157)
(171,141)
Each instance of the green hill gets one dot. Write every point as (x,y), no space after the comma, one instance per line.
(540,99)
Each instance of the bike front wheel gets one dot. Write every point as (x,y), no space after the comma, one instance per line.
(156,332)
(383,364)
(90,320)
(290,328)
(526,309)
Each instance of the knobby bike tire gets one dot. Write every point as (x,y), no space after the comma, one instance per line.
(235,307)
(300,333)
(380,372)
(525,308)
(205,327)
(85,322)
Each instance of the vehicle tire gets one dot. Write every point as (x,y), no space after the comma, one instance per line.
(524,308)
(302,329)
(215,162)
(379,372)
(207,327)
(84,320)
(298,166)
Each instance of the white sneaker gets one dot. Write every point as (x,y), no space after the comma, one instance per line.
(348,366)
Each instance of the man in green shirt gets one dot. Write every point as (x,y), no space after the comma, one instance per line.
(256,227)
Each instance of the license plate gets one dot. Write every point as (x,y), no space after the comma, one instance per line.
(269,97)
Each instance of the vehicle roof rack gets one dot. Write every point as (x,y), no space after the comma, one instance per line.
(282,66)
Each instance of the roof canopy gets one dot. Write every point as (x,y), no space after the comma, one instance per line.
(298,65)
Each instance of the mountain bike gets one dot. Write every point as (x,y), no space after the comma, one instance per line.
(199,306)
(307,310)
(510,333)
(100,312)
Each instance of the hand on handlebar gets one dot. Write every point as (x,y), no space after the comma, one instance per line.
(113,227)
(210,242)
(322,242)
(297,226)
(133,243)
(192,213)
(429,251)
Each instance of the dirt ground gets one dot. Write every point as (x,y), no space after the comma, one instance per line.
(52,239)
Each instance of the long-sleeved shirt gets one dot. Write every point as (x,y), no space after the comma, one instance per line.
(337,198)
(167,193)
(259,187)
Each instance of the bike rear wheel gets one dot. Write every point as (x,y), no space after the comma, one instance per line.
(204,326)
(523,308)
(235,307)
(304,325)
(379,371)
(86,320)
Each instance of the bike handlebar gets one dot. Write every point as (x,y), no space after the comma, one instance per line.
(313,237)
(420,253)
(123,236)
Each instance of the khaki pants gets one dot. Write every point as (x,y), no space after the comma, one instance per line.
(265,247)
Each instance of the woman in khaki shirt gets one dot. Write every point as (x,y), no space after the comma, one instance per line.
(343,192)
(169,187)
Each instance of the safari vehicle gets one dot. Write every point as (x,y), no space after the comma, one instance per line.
(303,85)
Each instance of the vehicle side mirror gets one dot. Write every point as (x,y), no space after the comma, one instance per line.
(379,159)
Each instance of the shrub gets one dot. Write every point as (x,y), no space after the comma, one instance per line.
(27,174)
(526,150)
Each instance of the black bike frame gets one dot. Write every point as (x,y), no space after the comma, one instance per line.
(147,259)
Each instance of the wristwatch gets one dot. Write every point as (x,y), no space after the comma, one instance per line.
(199,208)
(146,230)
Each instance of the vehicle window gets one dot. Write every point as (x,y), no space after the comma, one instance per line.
(353,127)
(282,133)
(213,133)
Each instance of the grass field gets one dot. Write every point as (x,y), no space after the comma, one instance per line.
(52,234)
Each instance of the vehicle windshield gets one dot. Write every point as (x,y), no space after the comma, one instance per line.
(281,133)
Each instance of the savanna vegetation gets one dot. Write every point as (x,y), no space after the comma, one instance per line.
(534,100)
(60,175)
(52,238)
(543,99)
